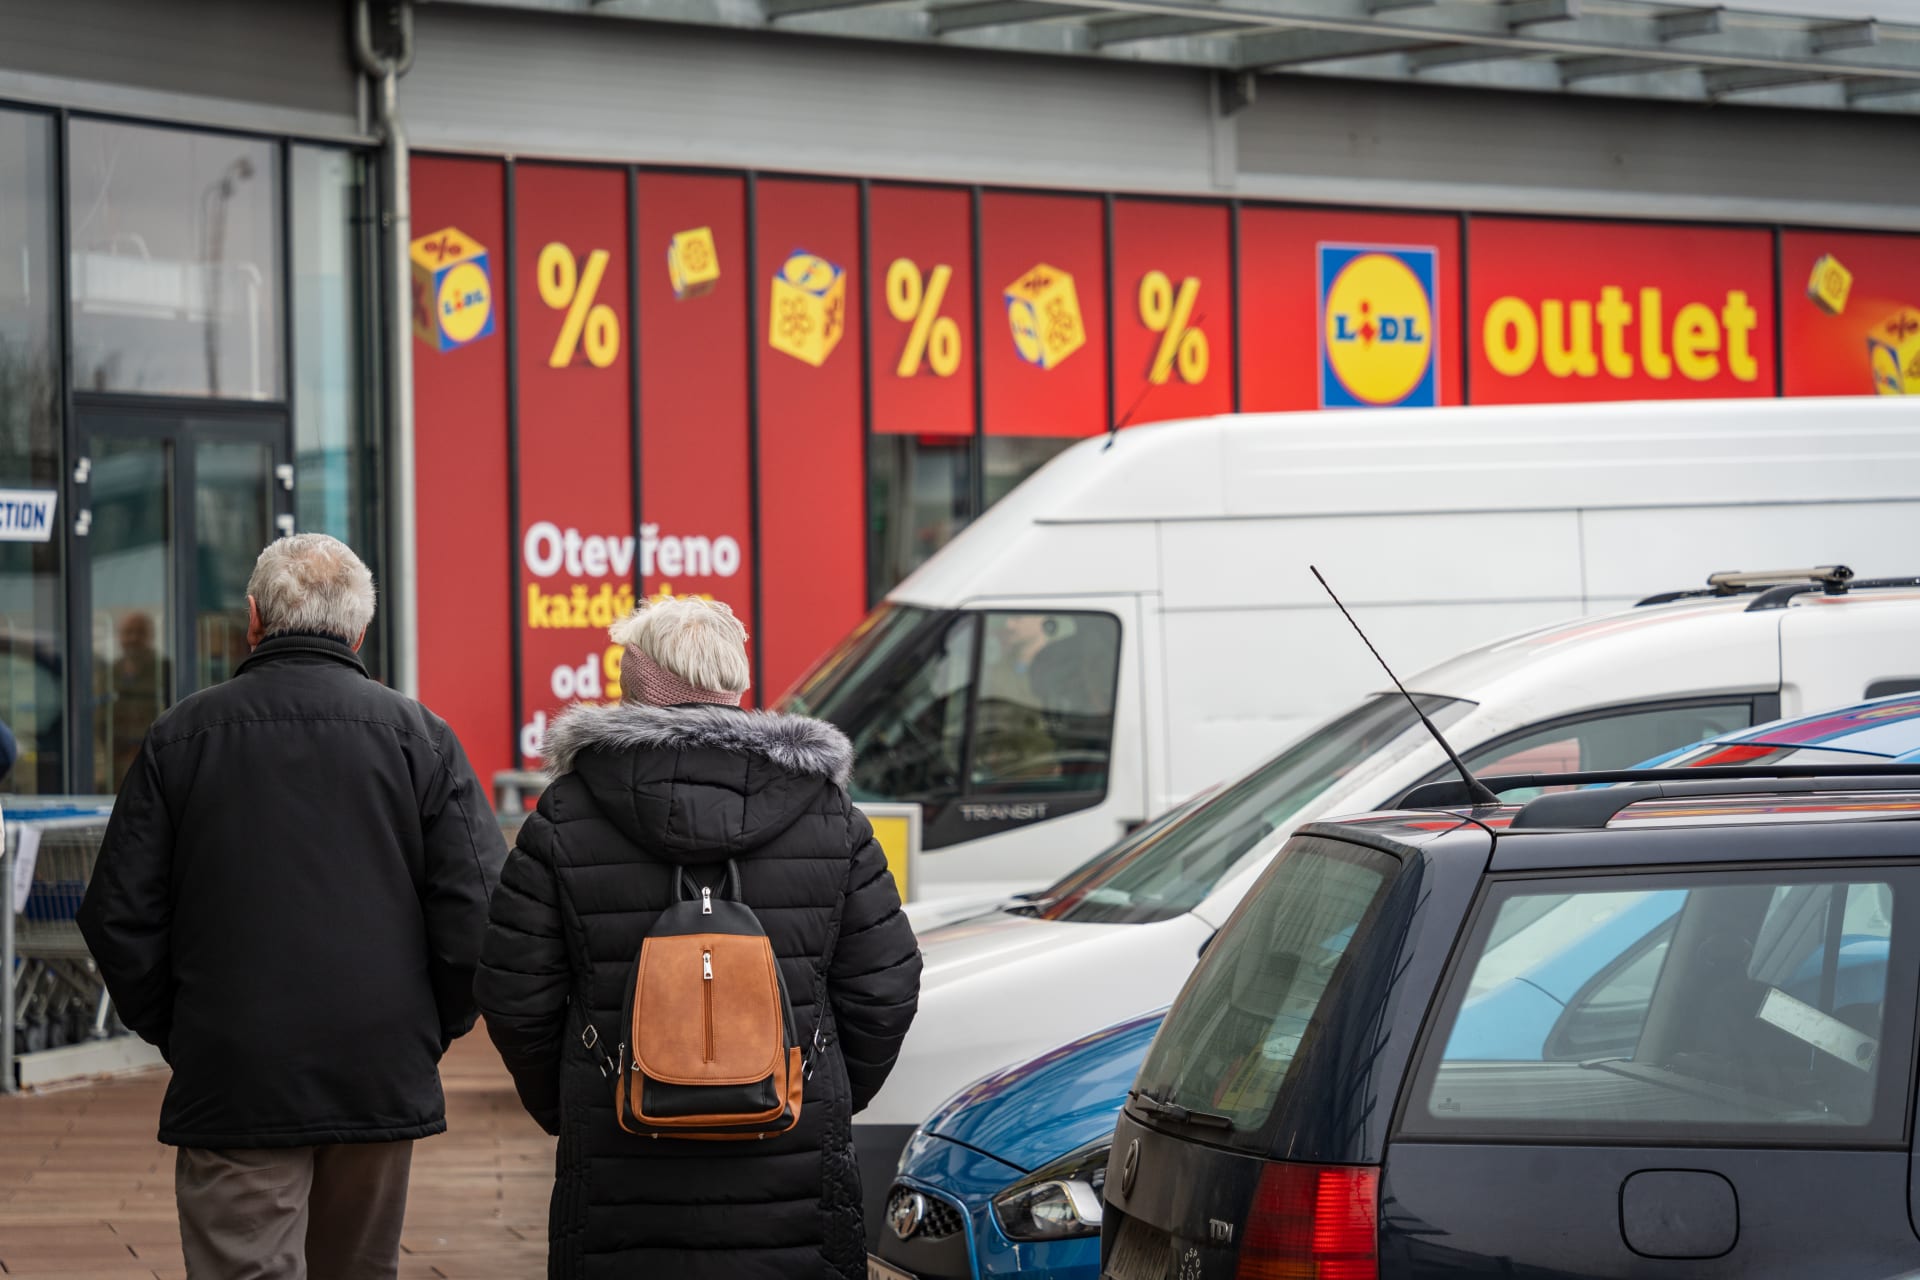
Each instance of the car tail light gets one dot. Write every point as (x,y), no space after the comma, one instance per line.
(1313,1222)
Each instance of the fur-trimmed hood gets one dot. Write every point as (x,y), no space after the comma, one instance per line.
(795,743)
(696,784)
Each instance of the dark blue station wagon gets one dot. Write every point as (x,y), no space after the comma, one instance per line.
(1704,993)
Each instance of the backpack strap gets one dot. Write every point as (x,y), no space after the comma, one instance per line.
(811,1057)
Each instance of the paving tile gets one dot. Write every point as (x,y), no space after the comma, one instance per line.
(86,1193)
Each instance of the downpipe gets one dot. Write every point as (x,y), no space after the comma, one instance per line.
(396,218)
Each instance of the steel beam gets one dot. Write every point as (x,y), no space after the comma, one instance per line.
(993,13)
(1576,70)
(1276,49)
(1152,26)
(1690,22)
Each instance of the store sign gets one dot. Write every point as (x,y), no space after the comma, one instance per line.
(1850,313)
(1562,311)
(1345,309)
(26,515)
(1379,343)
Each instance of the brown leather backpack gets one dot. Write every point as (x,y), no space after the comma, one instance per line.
(708,1048)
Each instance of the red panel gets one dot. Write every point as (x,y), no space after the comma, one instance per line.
(1617,311)
(1173,322)
(696,496)
(1855,329)
(921,304)
(576,464)
(460,449)
(1045,346)
(1287,332)
(812,461)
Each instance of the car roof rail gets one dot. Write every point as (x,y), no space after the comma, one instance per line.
(1752,779)
(1832,578)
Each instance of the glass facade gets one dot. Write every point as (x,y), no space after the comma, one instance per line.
(175,247)
(207,387)
(32,640)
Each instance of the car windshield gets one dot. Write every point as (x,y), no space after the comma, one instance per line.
(1166,869)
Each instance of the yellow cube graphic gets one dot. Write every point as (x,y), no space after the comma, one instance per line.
(693,263)
(1829,285)
(807,315)
(1044,313)
(1893,353)
(452,290)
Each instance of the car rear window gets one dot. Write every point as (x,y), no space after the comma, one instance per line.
(1228,1044)
(1741,1006)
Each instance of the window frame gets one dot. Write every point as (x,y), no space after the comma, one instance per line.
(1765,708)
(1900,1024)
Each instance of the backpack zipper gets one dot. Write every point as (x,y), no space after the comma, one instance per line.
(706,986)
(706,902)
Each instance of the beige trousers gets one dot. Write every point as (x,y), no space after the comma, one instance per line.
(293,1213)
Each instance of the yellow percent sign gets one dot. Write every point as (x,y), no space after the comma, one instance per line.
(1170,315)
(912,300)
(589,323)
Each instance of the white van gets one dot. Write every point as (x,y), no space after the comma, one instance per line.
(1136,621)
(1117,936)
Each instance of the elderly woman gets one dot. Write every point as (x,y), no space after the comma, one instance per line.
(676,776)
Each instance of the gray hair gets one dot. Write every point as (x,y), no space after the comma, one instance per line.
(694,638)
(312,583)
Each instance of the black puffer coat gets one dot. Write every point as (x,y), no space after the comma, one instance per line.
(639,790)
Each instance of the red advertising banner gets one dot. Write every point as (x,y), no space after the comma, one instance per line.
(577,543)
(696,514)
(1850,313)
(920,301)
(1561,311)
(1173,310)
(460,449)
(812,460)
(1348,310)
(1043,303)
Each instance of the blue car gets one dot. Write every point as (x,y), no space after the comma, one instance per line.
(1005,1179)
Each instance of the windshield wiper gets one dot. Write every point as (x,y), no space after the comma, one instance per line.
(1178,1114)
(1029,904)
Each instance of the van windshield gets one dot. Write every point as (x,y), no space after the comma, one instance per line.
(986,705)
(1166,869)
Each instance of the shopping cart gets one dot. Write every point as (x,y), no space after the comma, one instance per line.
(54,996)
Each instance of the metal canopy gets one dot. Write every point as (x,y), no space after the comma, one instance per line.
(1833,54)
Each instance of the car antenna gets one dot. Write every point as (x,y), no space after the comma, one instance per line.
(1477,790)
(1138,400)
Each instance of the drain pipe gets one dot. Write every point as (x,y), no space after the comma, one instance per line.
(396,217)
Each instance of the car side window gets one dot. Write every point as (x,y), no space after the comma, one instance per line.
(1043,711)
(1614,739)
(1755,1006)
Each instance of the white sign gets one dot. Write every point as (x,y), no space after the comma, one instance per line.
(25,854)
(26,515)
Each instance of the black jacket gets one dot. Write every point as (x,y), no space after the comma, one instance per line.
(290,902)
(639,790)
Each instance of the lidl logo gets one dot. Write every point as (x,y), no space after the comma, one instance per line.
(1378,344)
(452,289)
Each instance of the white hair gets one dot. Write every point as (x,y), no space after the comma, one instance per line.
(697,639)
(312,583)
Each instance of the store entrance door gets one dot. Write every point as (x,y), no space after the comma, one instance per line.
(171,511)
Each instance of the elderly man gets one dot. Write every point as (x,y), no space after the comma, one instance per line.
(290,903)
